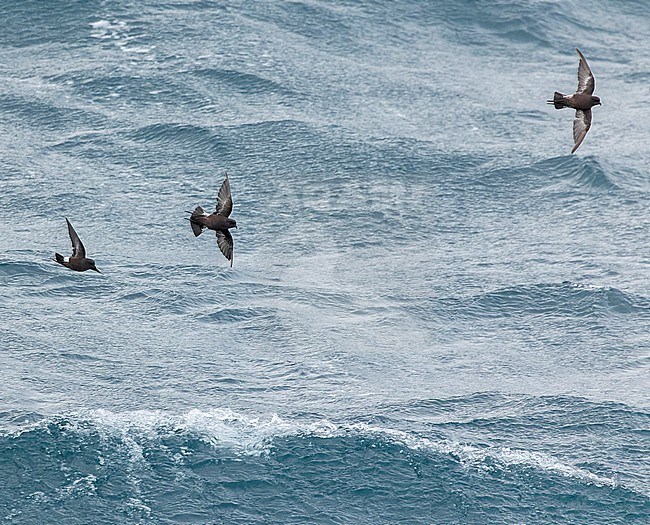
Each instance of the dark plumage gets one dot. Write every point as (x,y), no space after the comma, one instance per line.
(78,260)
(582,101)
(218,221)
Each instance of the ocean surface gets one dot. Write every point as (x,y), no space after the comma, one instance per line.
(436,314)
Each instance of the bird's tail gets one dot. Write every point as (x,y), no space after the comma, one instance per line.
(197,227)
(558,100)
(59,258)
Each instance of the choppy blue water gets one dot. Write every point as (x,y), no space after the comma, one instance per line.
(436,314)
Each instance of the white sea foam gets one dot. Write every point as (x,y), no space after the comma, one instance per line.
(120,34)
(489,458)
(250,435)
(85,485)
(253,435)
(104,29)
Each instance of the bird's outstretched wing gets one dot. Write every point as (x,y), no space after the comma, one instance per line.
(225,242)
(581,124)
(78,249)
(586,81)
(224,199)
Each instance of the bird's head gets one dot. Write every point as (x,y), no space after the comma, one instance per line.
(596,101)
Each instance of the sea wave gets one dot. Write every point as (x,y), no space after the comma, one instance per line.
(549,300)
(566,175)
(242,82)
(246,435)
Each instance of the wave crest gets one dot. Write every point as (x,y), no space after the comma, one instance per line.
(254,436)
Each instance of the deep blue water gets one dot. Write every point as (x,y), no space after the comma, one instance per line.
(436,314)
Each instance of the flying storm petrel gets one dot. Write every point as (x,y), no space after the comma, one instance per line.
(217,221)
(582,101)
(78,260)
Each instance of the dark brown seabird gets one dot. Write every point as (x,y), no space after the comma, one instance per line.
(78,260)
(582,101)
(217,221)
